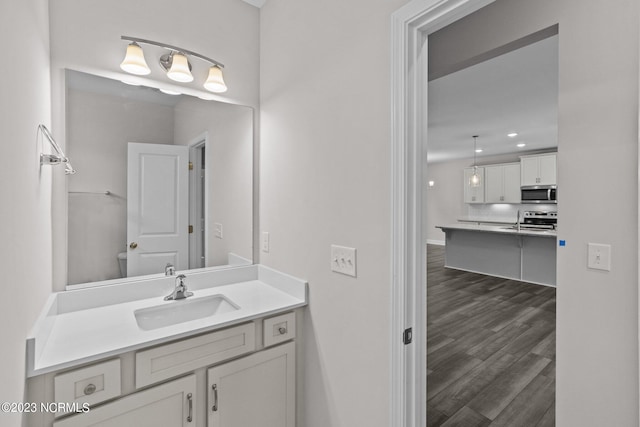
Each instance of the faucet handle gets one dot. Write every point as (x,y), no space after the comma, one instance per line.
(180,278)
(169,269)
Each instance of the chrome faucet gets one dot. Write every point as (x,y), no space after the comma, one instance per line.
(180,291)
(169,270)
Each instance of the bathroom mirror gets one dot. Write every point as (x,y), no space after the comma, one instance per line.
(133,148)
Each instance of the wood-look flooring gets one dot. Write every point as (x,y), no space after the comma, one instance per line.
(490,349)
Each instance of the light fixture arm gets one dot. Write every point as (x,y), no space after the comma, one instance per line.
(173,48)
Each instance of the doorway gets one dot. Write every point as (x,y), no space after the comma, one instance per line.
(491,321)
(197,202)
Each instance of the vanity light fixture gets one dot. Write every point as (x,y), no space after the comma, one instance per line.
(474,181)
(175,63)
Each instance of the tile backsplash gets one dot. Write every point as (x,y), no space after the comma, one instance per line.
(502,212)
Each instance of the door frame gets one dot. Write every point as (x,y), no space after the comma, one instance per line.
(194,145)
(410,27)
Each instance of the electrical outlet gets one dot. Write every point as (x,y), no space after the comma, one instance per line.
(265,241)
(599,256)
(343,260)
(218,230)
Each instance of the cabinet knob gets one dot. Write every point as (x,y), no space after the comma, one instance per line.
(282,330)
(89,389)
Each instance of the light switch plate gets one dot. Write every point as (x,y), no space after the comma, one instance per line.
(343,260)
(218,230)
(599,256)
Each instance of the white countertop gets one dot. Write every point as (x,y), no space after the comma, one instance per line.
(91,324)
(502,229)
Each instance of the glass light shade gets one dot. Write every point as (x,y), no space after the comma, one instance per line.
(474,181)
(134,62)
(179,70)
(215,82)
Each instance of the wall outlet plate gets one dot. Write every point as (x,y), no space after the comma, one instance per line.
(264,241)
(218,230)
(343,260)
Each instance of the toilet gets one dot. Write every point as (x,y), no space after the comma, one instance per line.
(122,262)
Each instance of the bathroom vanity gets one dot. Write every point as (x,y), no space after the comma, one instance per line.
(121,355)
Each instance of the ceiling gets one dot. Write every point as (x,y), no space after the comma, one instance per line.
(514,92)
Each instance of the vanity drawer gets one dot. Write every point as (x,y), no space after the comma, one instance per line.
(170,360)
(93,384)
(278,329)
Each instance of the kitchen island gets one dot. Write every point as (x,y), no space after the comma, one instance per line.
(502,251)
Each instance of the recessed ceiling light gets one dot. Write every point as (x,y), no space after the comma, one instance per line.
(479,150)
(522,144)
(512,135)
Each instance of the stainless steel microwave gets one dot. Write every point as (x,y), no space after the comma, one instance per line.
(539,194)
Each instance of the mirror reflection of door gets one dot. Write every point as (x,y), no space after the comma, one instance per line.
(157,208)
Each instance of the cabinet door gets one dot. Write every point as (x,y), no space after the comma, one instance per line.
(171,404)
(257,390)
(473,194)
(529,170)
(511,183)
(547,168)
(494,184)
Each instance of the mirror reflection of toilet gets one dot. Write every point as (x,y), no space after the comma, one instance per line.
(122,262)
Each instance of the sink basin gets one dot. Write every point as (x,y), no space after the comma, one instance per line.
(184,310)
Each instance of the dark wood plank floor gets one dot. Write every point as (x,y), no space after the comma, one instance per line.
(490,349)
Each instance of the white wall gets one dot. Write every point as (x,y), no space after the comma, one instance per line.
(325,179)
(597,312)
(99,128)
(229,164)
(25,247)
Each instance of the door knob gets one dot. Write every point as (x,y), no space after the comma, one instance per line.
(133,245)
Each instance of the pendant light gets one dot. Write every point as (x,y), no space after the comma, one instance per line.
(134,62)
(474,181)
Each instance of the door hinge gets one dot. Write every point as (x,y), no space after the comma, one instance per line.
(407,336)
(190,229)
(190,166)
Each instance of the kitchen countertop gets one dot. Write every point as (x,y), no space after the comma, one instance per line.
(502,229)
(90,324)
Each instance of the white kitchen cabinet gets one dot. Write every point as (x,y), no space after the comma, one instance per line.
(538,169)
(256,390)
(502,183)
(473,194)
(172,404)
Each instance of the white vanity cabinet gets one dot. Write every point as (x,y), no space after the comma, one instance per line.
(473,194)
(539,169)
(241,375)
(168,404)
(263,382)
(502,183)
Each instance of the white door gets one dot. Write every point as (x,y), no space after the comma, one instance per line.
(157,208)
(257,390)
(172,404)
